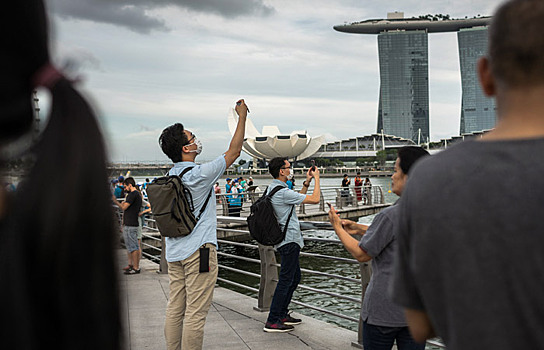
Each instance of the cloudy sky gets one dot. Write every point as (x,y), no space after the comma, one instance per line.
(147,64)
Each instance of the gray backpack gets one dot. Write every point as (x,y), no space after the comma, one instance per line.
(172,205)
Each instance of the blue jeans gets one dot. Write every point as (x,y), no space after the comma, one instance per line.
(288,281)
(382,338)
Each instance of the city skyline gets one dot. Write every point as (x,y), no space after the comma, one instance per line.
(147,66)
(404,72)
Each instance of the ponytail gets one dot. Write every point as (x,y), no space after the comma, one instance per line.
(66,233)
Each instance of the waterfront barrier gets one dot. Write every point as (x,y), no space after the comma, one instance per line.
(267,275)
(340,197)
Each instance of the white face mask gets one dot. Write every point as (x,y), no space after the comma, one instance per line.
(291,174)
(198,149)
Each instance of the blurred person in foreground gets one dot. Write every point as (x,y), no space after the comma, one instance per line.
(192,259)
(383,321)
(469,265)
(57,276)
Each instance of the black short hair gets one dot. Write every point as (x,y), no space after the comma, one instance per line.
(409,155)
(172,140)
(275,165)
(130,181)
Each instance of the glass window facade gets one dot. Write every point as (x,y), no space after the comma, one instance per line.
(477,110)
(404,84)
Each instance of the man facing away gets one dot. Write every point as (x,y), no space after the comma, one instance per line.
(470,262)
(383,322)
(131,208)
(192,259)
(284,202)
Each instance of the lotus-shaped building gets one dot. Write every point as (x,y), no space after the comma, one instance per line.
(272,143)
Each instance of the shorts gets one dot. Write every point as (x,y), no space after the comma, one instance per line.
(130,235)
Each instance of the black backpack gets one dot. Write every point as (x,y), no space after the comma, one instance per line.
(262,222)
(172,205)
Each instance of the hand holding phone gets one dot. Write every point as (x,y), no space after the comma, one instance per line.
(239,103)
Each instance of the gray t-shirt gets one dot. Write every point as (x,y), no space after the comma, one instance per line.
(379,242)
(471,244)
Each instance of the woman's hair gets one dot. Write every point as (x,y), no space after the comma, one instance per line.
(408,155)
(58,276)
(172,140)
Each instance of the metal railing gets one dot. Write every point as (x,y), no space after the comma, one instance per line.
(340,197)
(268,272)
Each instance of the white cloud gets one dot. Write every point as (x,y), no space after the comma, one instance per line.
(294,70)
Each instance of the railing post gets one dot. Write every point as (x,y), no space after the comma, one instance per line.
(366,273)
(225,205)
(321,201)
(269,278)
(339,202)
(163,265)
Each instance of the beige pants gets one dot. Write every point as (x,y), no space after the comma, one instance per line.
(191,295)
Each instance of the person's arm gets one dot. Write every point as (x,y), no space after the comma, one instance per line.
(419,324)
(354,228)
(148,210)
(306,183)
(314,197)
(235,147)
(351,244)
(124,206)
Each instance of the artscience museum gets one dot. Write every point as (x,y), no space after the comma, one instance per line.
(272,143)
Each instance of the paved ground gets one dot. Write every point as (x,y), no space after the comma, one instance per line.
(231,324)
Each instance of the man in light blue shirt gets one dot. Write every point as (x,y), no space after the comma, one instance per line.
(192,259)
(284,202)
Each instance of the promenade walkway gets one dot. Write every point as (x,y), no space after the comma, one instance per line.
(231,324)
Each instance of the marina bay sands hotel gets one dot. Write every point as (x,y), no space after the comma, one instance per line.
(403,108)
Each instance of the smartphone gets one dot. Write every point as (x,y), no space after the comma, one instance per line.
(239,103)
(329,204)
(313,165)
(204,265)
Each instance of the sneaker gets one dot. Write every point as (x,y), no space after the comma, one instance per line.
(128,267)
(277,327)
(131,271)
(291,321)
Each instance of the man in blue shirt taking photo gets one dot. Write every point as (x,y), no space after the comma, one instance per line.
(192,259)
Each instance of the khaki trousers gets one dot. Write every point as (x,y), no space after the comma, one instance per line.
(191,294)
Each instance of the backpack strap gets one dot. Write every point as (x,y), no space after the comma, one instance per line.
(205,204)
(273,192)
(186,170)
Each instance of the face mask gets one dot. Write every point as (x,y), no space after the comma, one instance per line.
(291,174)
(198,144)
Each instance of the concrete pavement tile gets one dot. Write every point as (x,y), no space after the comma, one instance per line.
(286,343)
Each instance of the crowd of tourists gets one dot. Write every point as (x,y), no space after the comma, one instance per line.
(458,256)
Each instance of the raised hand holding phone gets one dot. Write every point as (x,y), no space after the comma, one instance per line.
(239,103)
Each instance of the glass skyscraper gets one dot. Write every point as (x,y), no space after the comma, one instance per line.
(477,110)
(404,84)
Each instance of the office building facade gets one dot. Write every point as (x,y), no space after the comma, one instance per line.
(403,108)
(477,110)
